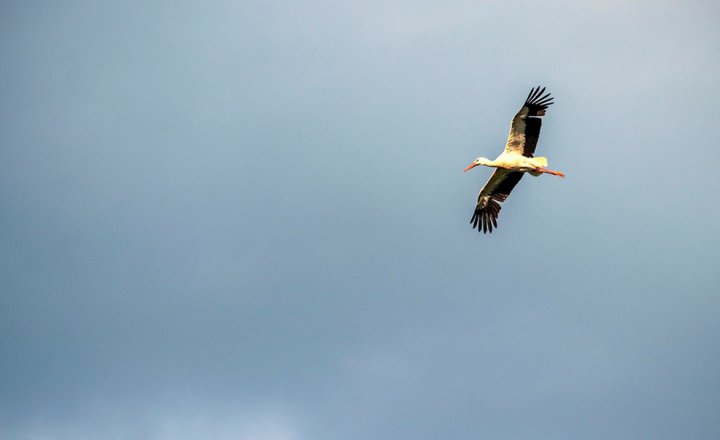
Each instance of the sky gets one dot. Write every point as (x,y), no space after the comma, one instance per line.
(248,220)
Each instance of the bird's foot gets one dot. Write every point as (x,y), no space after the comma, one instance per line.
(553,172)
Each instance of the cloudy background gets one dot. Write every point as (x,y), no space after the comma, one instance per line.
(248,220)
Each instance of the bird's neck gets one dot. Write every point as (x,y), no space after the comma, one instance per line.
(493,163)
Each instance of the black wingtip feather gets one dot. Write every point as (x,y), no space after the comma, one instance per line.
(538,101)
(484,219)
(540,92)
(530,94)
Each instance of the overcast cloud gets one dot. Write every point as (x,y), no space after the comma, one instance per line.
(248,220)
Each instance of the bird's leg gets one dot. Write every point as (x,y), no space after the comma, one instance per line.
(545,170)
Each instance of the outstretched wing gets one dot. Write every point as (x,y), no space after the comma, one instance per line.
(525,126)
(496,190)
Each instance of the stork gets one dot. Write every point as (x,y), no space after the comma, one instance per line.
(514,162)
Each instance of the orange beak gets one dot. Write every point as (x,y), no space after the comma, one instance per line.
(472,165)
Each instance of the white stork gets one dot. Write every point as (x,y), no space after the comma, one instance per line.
(516,160)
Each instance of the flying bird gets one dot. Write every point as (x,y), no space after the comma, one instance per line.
(514,162)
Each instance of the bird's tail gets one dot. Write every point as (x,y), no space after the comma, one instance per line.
(540,161)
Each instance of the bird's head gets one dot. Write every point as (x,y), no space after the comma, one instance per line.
(478,161)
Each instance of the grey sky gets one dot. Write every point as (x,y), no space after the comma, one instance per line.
(248,220)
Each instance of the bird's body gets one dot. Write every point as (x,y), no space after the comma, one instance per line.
(516,160)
